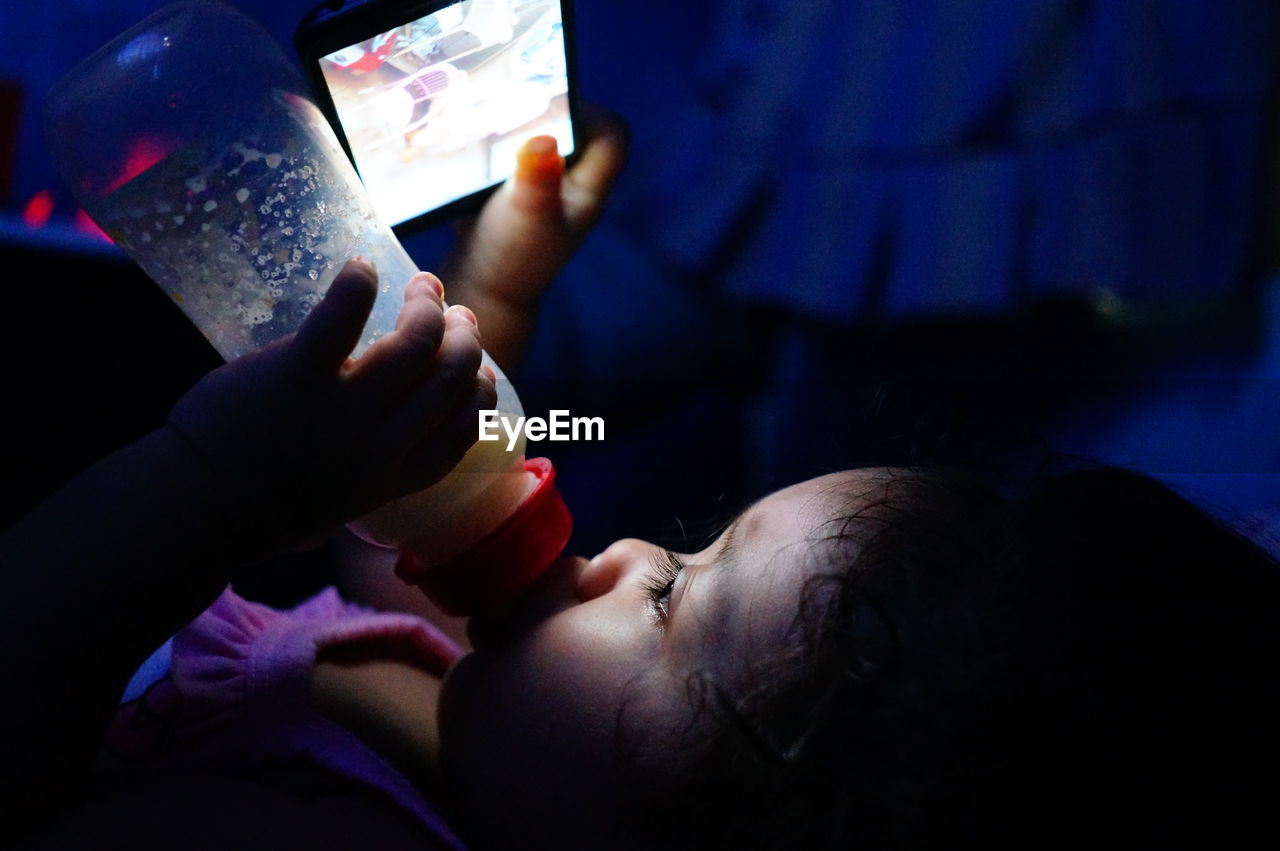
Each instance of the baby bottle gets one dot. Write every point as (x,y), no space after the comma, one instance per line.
(191,142)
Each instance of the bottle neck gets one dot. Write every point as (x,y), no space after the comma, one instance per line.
(472,523)
(493,571)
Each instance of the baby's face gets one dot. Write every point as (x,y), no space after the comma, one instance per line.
(597,662)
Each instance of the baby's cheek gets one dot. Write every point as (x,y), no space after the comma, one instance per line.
(483,738)
(513,704)
(523,745)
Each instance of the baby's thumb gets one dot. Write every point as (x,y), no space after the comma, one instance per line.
(539,171)
(333,327)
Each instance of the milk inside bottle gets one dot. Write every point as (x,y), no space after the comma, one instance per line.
(192,143)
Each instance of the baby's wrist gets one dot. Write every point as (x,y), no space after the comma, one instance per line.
(388,703)
(210,490)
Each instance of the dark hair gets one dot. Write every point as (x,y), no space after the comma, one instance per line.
(1091,661)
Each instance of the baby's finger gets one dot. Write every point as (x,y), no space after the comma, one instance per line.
(401,358)
(589,181)
(332,329)
(432,458)
(539,170)
(452,374)
(422,284)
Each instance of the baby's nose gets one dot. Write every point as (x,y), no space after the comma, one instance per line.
(603,573)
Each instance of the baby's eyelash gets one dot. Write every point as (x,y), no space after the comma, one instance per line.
(660,581)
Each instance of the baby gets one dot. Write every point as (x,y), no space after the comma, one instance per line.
(884,658)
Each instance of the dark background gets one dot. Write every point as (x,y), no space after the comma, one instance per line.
(977,233)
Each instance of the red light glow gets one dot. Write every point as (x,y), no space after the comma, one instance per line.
(38,210)
(142,153)
(88,226)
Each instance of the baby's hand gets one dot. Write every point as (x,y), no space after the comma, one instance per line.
(506,258)
(299,438)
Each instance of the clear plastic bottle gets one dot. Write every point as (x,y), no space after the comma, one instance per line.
(191,141)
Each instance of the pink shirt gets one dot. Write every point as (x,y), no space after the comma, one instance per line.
(237,694)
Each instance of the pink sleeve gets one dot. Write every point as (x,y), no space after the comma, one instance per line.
(240,680)
(243,657)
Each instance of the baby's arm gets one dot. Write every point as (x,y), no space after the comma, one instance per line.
(263,454)
(387,702)
(507,257)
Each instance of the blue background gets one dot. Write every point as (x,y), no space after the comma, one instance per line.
(849,233)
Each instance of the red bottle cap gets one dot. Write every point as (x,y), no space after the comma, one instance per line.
(499,566)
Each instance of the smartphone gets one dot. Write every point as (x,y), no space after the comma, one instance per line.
(431,100)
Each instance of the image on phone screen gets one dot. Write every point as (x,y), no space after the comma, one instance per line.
(435,109)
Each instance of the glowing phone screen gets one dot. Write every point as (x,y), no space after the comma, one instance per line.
(435,109)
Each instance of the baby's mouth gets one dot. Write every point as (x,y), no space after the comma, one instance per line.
(554,591)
